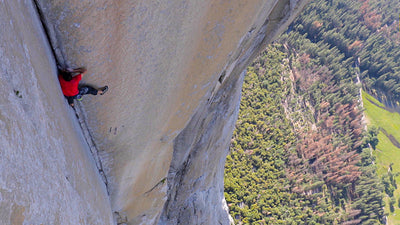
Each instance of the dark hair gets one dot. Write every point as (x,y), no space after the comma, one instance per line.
(79,70)
(68,74)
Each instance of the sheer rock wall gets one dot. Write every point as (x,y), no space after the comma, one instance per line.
(47,174)
(175,70)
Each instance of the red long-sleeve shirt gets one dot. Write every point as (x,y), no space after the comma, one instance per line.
(70,88)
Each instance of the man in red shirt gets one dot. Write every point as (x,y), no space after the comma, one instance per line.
(69,81)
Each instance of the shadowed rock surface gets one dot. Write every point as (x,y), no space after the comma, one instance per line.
(175,70)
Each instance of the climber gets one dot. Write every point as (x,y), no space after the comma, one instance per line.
(69,81)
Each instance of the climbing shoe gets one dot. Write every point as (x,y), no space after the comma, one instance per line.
(104,90)
(79,97)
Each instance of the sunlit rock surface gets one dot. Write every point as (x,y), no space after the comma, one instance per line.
(47,175)
(175,70)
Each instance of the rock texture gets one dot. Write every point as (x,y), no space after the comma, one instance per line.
(175,70)
(195,179)
(47,175)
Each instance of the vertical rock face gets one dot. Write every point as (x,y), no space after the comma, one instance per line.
(195,179)
(47,175)
(175,70)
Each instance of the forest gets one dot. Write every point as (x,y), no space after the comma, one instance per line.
(301,152)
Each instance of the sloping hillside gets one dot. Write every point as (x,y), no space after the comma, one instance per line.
(323,162)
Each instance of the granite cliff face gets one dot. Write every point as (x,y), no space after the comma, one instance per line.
(175,70)
(47,175)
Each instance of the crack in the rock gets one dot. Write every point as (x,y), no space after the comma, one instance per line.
(78,109)
(91,144)
(45,29)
